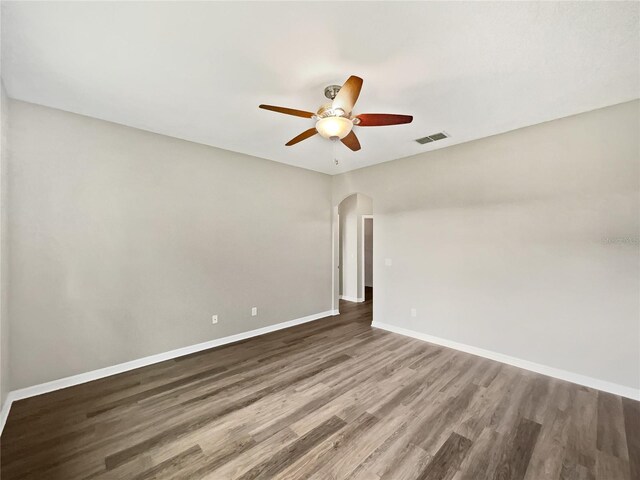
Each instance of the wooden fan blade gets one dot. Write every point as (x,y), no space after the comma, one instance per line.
(348,94)
(303,136)
(382,119)
(351,141)
(288,111)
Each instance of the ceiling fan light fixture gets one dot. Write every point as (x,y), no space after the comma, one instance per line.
(330,127)
(335,120)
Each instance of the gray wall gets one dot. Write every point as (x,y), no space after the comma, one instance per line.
(368,252)
(4,284)
(124,243)
(524,243)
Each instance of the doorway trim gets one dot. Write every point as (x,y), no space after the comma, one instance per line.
(335,262)
(361,290)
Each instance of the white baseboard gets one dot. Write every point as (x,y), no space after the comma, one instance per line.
(4,413)
(351,299)
(335,312)
(584,380)
(143,362)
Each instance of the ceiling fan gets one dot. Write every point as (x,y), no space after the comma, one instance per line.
(335,120)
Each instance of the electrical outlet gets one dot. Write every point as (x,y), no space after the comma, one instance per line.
(254,311)
(414,312)
(214,319)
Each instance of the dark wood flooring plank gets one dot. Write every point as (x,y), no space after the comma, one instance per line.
(387,449)
(444,465)
(580,449)
(611,436)
(231,460)
(547,457)
(608,466)
(330,450)
(291,453)
(515,459)
(441,422)
(171,386)
(484,456)
(631,411)
(171,467)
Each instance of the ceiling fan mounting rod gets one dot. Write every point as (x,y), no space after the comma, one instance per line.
(331,91)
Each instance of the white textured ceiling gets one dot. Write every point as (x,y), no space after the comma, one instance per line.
(198,71)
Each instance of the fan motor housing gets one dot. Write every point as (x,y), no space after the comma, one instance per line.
(327,110)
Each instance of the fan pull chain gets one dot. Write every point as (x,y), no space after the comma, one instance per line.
(335,156)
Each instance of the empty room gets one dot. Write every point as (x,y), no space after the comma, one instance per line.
(320,240)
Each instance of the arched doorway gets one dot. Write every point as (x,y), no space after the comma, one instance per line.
(353,230)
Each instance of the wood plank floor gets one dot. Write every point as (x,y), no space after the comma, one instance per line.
(331,399)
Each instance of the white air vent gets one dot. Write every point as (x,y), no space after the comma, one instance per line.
(432,138)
